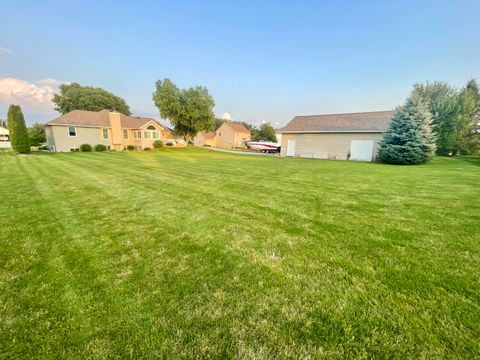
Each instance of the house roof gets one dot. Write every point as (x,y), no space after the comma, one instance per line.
(209,134)
(376,121)
(100,119)
(238,128)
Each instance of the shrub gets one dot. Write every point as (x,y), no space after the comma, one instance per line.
(130,147)
(147,149)
(100,147)
(157,144)
(169,144)
(85,148)
(18,130)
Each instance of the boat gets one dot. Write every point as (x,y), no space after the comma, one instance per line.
(264,146)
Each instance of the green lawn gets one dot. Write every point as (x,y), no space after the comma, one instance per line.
(195,253)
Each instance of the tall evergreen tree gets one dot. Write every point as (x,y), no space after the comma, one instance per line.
(409,139)
(18,130)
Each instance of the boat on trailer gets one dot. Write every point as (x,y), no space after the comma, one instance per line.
(264,146)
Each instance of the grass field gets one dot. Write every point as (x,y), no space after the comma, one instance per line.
(194,253)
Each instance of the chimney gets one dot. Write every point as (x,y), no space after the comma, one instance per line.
(116,125)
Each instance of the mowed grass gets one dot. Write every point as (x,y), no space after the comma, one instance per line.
(194,253)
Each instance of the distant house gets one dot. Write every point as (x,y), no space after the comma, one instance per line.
(112,129)
(4,138)
(231,135)
(353,136)
(205,138)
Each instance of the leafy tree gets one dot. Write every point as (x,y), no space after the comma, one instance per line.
(189,110)
(217,123)
(469,136)
(266,132)
(409,139)
(36,133)
(76,97)
(18,130)
(453,114)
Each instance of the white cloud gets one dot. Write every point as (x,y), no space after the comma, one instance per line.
(226,116)
(5,50)
(51,82)
(35,96)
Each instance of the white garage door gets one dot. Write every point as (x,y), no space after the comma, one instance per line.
(361,150)
(291,148)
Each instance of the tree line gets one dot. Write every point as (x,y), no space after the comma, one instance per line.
(436,118)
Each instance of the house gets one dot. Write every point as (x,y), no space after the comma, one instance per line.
(205,138)
(114,130)
(4,138)
(352,136)
(231,135)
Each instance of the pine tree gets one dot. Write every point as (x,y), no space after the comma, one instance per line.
(18,130)
(409,139)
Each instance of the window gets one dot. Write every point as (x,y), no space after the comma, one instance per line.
(125,134)
(137,134)
(151,127)
(72,131)
(105,134)
(147,135)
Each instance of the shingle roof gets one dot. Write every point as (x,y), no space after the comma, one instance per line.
(376,121)
(238,128)
(209,134)
(100,119)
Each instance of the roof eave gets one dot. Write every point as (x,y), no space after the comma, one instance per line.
(329,131)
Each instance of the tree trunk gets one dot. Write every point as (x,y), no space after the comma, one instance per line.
(187,138)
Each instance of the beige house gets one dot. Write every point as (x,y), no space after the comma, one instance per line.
(112,129)
(231,135)
(352,136)
(205,138)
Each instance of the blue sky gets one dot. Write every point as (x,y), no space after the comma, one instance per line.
(261,60)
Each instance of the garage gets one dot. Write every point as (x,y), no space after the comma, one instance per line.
(350,136)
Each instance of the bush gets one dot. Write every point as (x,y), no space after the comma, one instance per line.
(169,144)
(157,144)
(100,147)
(130,147)
(18,130)
(85,148)
(147,149)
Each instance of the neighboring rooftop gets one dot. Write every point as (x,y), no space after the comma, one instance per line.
(238,127)
(100,119)
(376,121)
(209,134)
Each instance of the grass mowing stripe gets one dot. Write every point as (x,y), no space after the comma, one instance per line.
(207,254)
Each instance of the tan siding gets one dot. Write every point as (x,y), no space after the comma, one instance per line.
(327,146)
(229,138)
